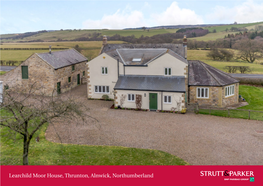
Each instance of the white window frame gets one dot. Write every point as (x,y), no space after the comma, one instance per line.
(202,89)
(168,71)
(103,70)
(100,88)
(229,90)
(166,99)
(130,96)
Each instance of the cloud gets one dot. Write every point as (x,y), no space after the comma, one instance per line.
(248,11)
(118,20)
(174,15)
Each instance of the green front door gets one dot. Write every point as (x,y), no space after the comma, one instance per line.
(78,78)
(58,88)
(153,101)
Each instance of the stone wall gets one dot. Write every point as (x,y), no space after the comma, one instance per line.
(216,97)
(40,74)
(62,75)
(43,76)
(231,100)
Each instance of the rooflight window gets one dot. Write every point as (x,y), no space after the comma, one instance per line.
(136,59)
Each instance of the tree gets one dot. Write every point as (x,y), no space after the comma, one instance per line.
(214,31)
(144,28)
(26,113)
(249,50)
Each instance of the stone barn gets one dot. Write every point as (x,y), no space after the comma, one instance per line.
(209,86)
(51,72)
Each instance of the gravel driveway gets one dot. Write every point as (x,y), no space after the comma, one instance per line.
(198,139)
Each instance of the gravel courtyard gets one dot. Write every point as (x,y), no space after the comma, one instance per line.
(198,139)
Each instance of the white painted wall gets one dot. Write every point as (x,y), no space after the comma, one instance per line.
(176,97)
(158,66)
(95,76)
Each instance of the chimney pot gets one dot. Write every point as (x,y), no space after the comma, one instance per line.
(50,49)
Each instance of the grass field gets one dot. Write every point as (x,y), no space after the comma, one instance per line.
(91,49)
(201,55)
(48,153)
(223,28)
(253,95)
(70,35)
(73,34)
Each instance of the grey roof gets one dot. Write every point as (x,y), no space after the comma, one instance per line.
(150,51)
(60,59)
(202,74)
(151,83)
(146,55)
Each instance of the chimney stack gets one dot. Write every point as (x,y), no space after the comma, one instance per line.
(50,49)
(104,40)
(185,41)
(185,46)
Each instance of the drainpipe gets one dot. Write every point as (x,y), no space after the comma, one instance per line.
(118,67)
(123,70)
(161,100)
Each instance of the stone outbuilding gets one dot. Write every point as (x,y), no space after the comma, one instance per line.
(51,72)
(211,87)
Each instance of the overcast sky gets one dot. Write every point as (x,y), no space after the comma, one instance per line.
(19,16)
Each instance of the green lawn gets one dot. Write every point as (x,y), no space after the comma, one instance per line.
(48,153)
(254,97)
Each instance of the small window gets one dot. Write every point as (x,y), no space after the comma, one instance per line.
(229,90)
(104,70)
(131,97)
(202,93)
(24,72)
(69,79)
(102,89)
(167,99)
(167,71)
(83,73)
(73,67)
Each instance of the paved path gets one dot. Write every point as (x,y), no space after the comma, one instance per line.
(198,139)
(7,68)
(248,75)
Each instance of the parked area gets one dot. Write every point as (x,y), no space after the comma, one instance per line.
(198,139)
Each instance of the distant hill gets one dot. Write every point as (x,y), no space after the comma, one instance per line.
(177,26)
(215,31)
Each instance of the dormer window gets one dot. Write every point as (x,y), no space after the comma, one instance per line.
(168,71)
(104,70)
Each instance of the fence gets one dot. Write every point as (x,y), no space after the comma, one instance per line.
(233,113)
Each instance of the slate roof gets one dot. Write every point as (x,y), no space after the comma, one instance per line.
(202,74)
(151,83)
(60,59)
(146,55)
(125,52)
